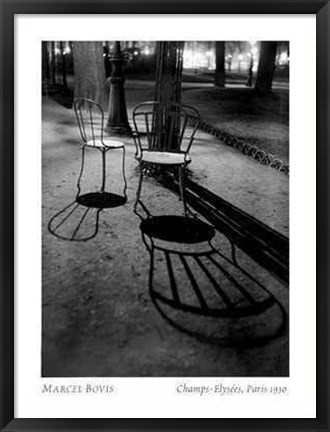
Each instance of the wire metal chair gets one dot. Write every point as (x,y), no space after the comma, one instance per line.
(90,119)
(164,136)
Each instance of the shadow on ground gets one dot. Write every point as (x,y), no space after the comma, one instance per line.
(79,221)
(266,246)
(100,319)
(195,287)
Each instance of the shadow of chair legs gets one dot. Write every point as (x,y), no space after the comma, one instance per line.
(79,221)
(203,293)
(75,222)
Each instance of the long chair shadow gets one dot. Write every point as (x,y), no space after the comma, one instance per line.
(79,221)
(200,291)
(263,244)
(75,222)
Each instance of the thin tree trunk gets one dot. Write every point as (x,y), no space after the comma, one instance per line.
(168,91)
(64,81)
(219,64)
(53,62)
(266,67)
(45,60)
(169,72)
(89,72)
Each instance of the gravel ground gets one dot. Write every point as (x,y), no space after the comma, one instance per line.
(98,316)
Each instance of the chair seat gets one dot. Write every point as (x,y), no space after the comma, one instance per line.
(105,143)
(165,158)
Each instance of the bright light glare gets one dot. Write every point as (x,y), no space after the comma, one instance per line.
(254,51)
(283,58)
(193,59)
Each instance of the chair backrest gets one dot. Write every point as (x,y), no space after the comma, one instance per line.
(170,128)
(90,119)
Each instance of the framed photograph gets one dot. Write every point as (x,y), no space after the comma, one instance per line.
(164,204)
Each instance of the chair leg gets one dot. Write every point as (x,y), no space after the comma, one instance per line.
(103,169)
(138,192)
(81,170)
(182,188)
(124,175)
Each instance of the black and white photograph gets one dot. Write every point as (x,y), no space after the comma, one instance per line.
(165,208)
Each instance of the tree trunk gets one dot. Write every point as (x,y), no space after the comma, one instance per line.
(219,64)
(168,91)
(45,60)
(89,72)
(53,63)
(64,81)
(169,72)
(266,67)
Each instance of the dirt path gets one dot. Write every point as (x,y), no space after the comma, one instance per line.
(98,317)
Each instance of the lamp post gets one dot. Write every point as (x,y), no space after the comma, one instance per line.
(117,122)
(250,76)
(252,55)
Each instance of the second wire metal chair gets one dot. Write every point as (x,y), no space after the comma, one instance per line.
(164,136)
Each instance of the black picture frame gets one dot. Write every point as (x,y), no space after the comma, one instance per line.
(8,9)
